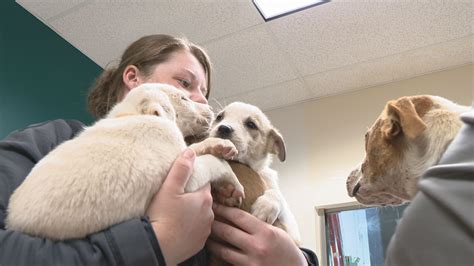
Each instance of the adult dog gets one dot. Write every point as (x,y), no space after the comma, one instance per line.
(111,170)
(410,135)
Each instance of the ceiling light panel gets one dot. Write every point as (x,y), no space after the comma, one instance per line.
(272,9)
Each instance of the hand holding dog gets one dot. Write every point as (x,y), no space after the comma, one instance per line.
(255,242)
(182,222)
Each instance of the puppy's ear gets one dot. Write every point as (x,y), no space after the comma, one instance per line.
(148,107)
(276,144)
(402,116)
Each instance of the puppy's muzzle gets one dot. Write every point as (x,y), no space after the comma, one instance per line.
(224,131)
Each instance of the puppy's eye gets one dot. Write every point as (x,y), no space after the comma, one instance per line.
(184,98)
(250,125)
(219,117)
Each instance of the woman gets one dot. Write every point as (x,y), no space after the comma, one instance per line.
(178,224)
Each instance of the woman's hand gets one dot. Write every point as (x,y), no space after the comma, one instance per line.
(182,222)
(253,241)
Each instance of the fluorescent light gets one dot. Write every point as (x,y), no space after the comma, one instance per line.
(271,9)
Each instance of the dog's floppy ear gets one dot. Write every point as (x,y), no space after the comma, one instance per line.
(391,128)
(148,107)
(402,116)
(276,144)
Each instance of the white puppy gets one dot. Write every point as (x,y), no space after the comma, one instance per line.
(110,171)
(247,127)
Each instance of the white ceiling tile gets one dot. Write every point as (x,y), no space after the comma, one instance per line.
(338,46)
(46,9)
(269,97)
(103,29)
(392,68)
(247,60)
(342,33)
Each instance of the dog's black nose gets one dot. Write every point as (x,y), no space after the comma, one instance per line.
(224,131)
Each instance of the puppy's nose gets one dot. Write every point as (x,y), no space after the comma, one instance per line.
(224,131)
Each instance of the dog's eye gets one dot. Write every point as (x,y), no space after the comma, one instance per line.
(219,117)
(251,125)
(184,98)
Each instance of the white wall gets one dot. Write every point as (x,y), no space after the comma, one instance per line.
(325,139)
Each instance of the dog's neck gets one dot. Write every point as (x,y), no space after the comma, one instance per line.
(427,149)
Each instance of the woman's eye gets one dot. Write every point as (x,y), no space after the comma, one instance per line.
(250,125)
(184,83)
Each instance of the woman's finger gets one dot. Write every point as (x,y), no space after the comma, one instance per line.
(231,235)
(226,253)
(240,218)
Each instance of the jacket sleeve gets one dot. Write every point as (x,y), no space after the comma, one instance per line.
(438,226)
(129,243)
(310,257)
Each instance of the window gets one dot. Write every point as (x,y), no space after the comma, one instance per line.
(358,235)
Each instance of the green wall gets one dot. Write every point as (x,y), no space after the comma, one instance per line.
(42,76)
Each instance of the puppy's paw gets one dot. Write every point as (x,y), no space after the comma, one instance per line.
(227,193)
(266,209)
(223,148)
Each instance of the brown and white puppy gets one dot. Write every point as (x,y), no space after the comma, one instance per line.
(247,127)
(409,136)
(111,170)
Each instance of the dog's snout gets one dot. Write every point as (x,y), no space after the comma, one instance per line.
(224,131)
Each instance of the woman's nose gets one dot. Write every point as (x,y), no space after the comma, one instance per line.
(198,97)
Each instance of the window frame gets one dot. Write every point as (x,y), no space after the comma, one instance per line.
(321,211)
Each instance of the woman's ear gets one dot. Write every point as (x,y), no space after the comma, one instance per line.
(131,77)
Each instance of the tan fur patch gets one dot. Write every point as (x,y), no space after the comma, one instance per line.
(381,153)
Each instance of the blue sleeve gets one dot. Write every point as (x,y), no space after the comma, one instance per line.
(129,243)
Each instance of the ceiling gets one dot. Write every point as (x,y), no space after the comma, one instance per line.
(329,49)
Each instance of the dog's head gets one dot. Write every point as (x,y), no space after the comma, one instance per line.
(193,118)
(408,137)
(144,100)
(251,132)
(169,102)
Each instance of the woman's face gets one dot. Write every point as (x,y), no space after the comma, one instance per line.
(184,72)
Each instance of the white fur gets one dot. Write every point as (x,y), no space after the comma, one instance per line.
(255,147)
(110,172)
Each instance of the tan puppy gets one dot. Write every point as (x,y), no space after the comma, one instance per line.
(256,139)
(110,172)
(409,136)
